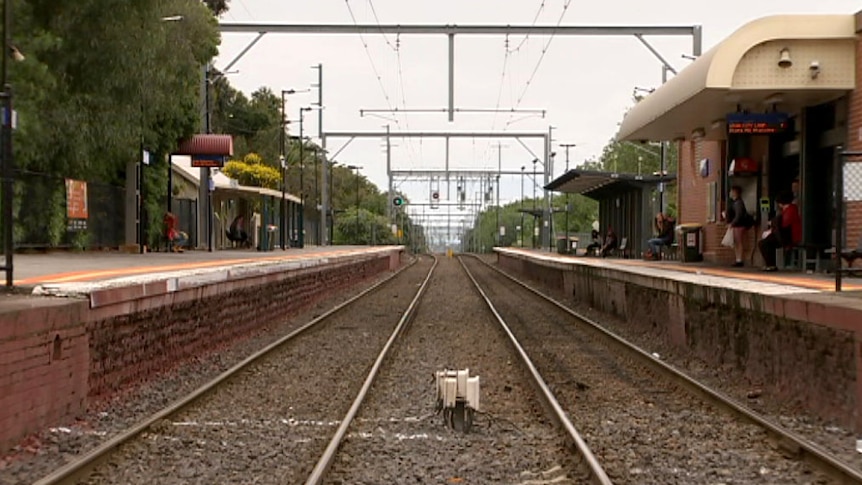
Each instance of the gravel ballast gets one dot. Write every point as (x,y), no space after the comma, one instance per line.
(641,428)
(397,438)
(837,440)
(269,423)
(54,447)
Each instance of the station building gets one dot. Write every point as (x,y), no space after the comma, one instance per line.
(768,109)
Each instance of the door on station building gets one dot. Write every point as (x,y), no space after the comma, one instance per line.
(824,130)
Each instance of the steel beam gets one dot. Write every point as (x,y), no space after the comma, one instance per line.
(464,173)
(363,111)
(534,30)
(434,134)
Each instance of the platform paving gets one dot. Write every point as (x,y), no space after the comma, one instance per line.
(744,279)
(64,274)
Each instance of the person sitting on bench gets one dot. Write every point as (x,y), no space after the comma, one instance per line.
(664,225)
(594,246)
(785,231)
(176,238)
(611,243)
(236,233)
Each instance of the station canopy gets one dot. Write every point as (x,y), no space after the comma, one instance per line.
(600,185)
(782,63)
(206,145)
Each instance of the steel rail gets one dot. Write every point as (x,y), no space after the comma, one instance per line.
(792,442)
(318,474)
(596,472)
(78,469)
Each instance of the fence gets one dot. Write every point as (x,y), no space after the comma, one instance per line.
(848,216)
(42,207)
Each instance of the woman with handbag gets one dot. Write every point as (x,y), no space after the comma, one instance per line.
(739,220)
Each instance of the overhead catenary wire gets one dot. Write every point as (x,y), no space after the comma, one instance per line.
(533,24)
(371,60)
(539,62)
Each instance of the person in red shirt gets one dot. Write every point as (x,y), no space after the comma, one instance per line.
(177,238)
(785,231)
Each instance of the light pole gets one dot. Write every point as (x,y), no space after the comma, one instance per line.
(6,140)
(318,234)
(567,146)
(354,167)
(522,205)
(302,112)
(534,202)
(331,214)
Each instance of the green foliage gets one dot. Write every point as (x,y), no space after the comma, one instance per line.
(369,228)
(251,171)
(93,90)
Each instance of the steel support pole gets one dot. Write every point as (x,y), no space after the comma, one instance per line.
(301,236)
(522,206)
(283,167)
(663,162)
(839,214)
(499,170)
(548,210)
(451,77)
(567,146)
(204,195)
(325,175)
(6,149)
(391,187)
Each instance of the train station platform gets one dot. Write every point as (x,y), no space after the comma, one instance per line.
(790,331)
(85,326)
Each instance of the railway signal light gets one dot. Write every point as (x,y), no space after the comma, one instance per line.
(398,201)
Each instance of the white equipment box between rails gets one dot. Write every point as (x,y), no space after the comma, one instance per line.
(457,397)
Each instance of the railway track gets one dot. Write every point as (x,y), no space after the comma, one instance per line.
(268,418)
(629,408)
(399,437)
(357,408)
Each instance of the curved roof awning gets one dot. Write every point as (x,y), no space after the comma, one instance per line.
(742,71)
(210,145)
(598,184)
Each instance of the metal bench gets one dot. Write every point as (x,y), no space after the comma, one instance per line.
(670,252)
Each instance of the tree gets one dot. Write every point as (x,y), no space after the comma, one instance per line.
(251,171)
(218,7)
(91,92)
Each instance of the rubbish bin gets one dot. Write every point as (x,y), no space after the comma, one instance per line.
(690,239)
(562,246)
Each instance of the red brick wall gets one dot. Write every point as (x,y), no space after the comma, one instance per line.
(105,349)
(41,381)
(693,191)
(854,143)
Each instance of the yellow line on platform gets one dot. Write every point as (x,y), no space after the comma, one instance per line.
(91,275)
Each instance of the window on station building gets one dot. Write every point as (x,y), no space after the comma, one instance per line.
(712,201)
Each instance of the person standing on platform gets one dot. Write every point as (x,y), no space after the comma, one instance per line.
(740,221)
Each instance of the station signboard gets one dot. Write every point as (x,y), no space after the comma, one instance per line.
(757,123)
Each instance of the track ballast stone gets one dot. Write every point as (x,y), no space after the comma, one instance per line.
(641,428)
(397,438)
(270,423)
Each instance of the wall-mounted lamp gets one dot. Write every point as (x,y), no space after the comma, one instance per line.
(814,69)
(717,124)
(698,133)
(784,60)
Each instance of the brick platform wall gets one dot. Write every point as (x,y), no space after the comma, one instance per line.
(854,143)
(43,367)
(55,360)
(811,365)
(693,192)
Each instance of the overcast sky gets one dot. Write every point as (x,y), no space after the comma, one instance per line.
(584,83)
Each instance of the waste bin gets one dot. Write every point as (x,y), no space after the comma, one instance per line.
(562,246)
(690,239)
